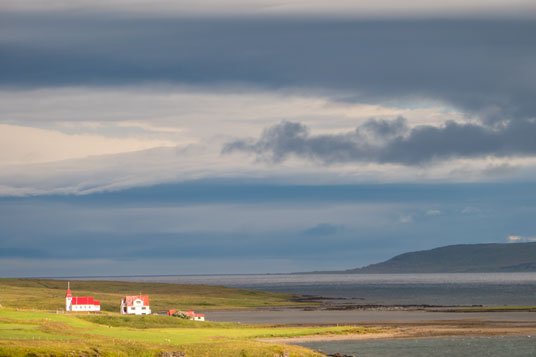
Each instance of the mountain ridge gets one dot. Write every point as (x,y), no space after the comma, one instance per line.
(459,258)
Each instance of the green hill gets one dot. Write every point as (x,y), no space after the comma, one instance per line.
(464,258)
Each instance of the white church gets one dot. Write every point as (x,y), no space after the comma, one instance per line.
(84,303)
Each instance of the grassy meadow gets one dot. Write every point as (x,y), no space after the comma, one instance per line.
(30,326)
(48,294)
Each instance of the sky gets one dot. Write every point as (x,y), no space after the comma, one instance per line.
(269,136)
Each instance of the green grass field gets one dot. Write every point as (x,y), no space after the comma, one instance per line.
(27,332)
(43,332)
(47,294)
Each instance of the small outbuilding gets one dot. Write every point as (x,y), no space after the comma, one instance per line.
(135,305)
(194,316)
(190,315)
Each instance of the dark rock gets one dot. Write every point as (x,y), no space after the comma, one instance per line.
(172,354)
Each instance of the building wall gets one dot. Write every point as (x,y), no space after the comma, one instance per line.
(139,310)
(85,307)
(70,307)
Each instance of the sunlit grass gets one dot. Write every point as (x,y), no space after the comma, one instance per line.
(42,331)
(61,332)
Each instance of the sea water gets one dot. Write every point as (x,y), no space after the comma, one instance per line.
(488,289)
(519,346)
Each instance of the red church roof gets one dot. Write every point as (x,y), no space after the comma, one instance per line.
(130,299)
(85,300)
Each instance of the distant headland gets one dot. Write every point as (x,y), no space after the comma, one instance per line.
(463,258)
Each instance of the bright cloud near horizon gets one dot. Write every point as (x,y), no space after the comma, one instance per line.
(409,128)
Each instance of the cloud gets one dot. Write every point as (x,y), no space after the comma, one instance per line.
(471,210)
(465,63)
(323,229)
(362,8)
(384,141)
(405,219)
(24,145)
(209,220)
(433,212)
(500,169)
(520,239)
(238,76)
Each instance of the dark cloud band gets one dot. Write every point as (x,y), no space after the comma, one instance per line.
(392,142)
(485,67)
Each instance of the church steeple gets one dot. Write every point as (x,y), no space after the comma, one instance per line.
(68,295)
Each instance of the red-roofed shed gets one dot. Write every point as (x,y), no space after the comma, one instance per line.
(194,316)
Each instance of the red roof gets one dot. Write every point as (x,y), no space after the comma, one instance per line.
(130,299)
(193,314)
(84,300)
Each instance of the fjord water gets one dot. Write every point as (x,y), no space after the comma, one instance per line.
(519,346)
(489,289)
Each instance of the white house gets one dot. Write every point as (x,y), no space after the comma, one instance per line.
(135,305)
(85,303)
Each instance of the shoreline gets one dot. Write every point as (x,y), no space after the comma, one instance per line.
(320,316)
(328,306)
(395,330)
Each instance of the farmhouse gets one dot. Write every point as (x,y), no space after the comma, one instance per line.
(85,303)
(135,305)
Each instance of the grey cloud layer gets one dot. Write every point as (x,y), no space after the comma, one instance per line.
(391,142)
(362,8)
(485,67)
(339,222)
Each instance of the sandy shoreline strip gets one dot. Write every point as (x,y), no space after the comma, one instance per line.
(422,331)
(313,338)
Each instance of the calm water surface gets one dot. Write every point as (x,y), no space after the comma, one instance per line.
(492,289)
(437,347)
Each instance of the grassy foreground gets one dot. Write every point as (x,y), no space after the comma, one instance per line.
(40,331)
(47,294)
